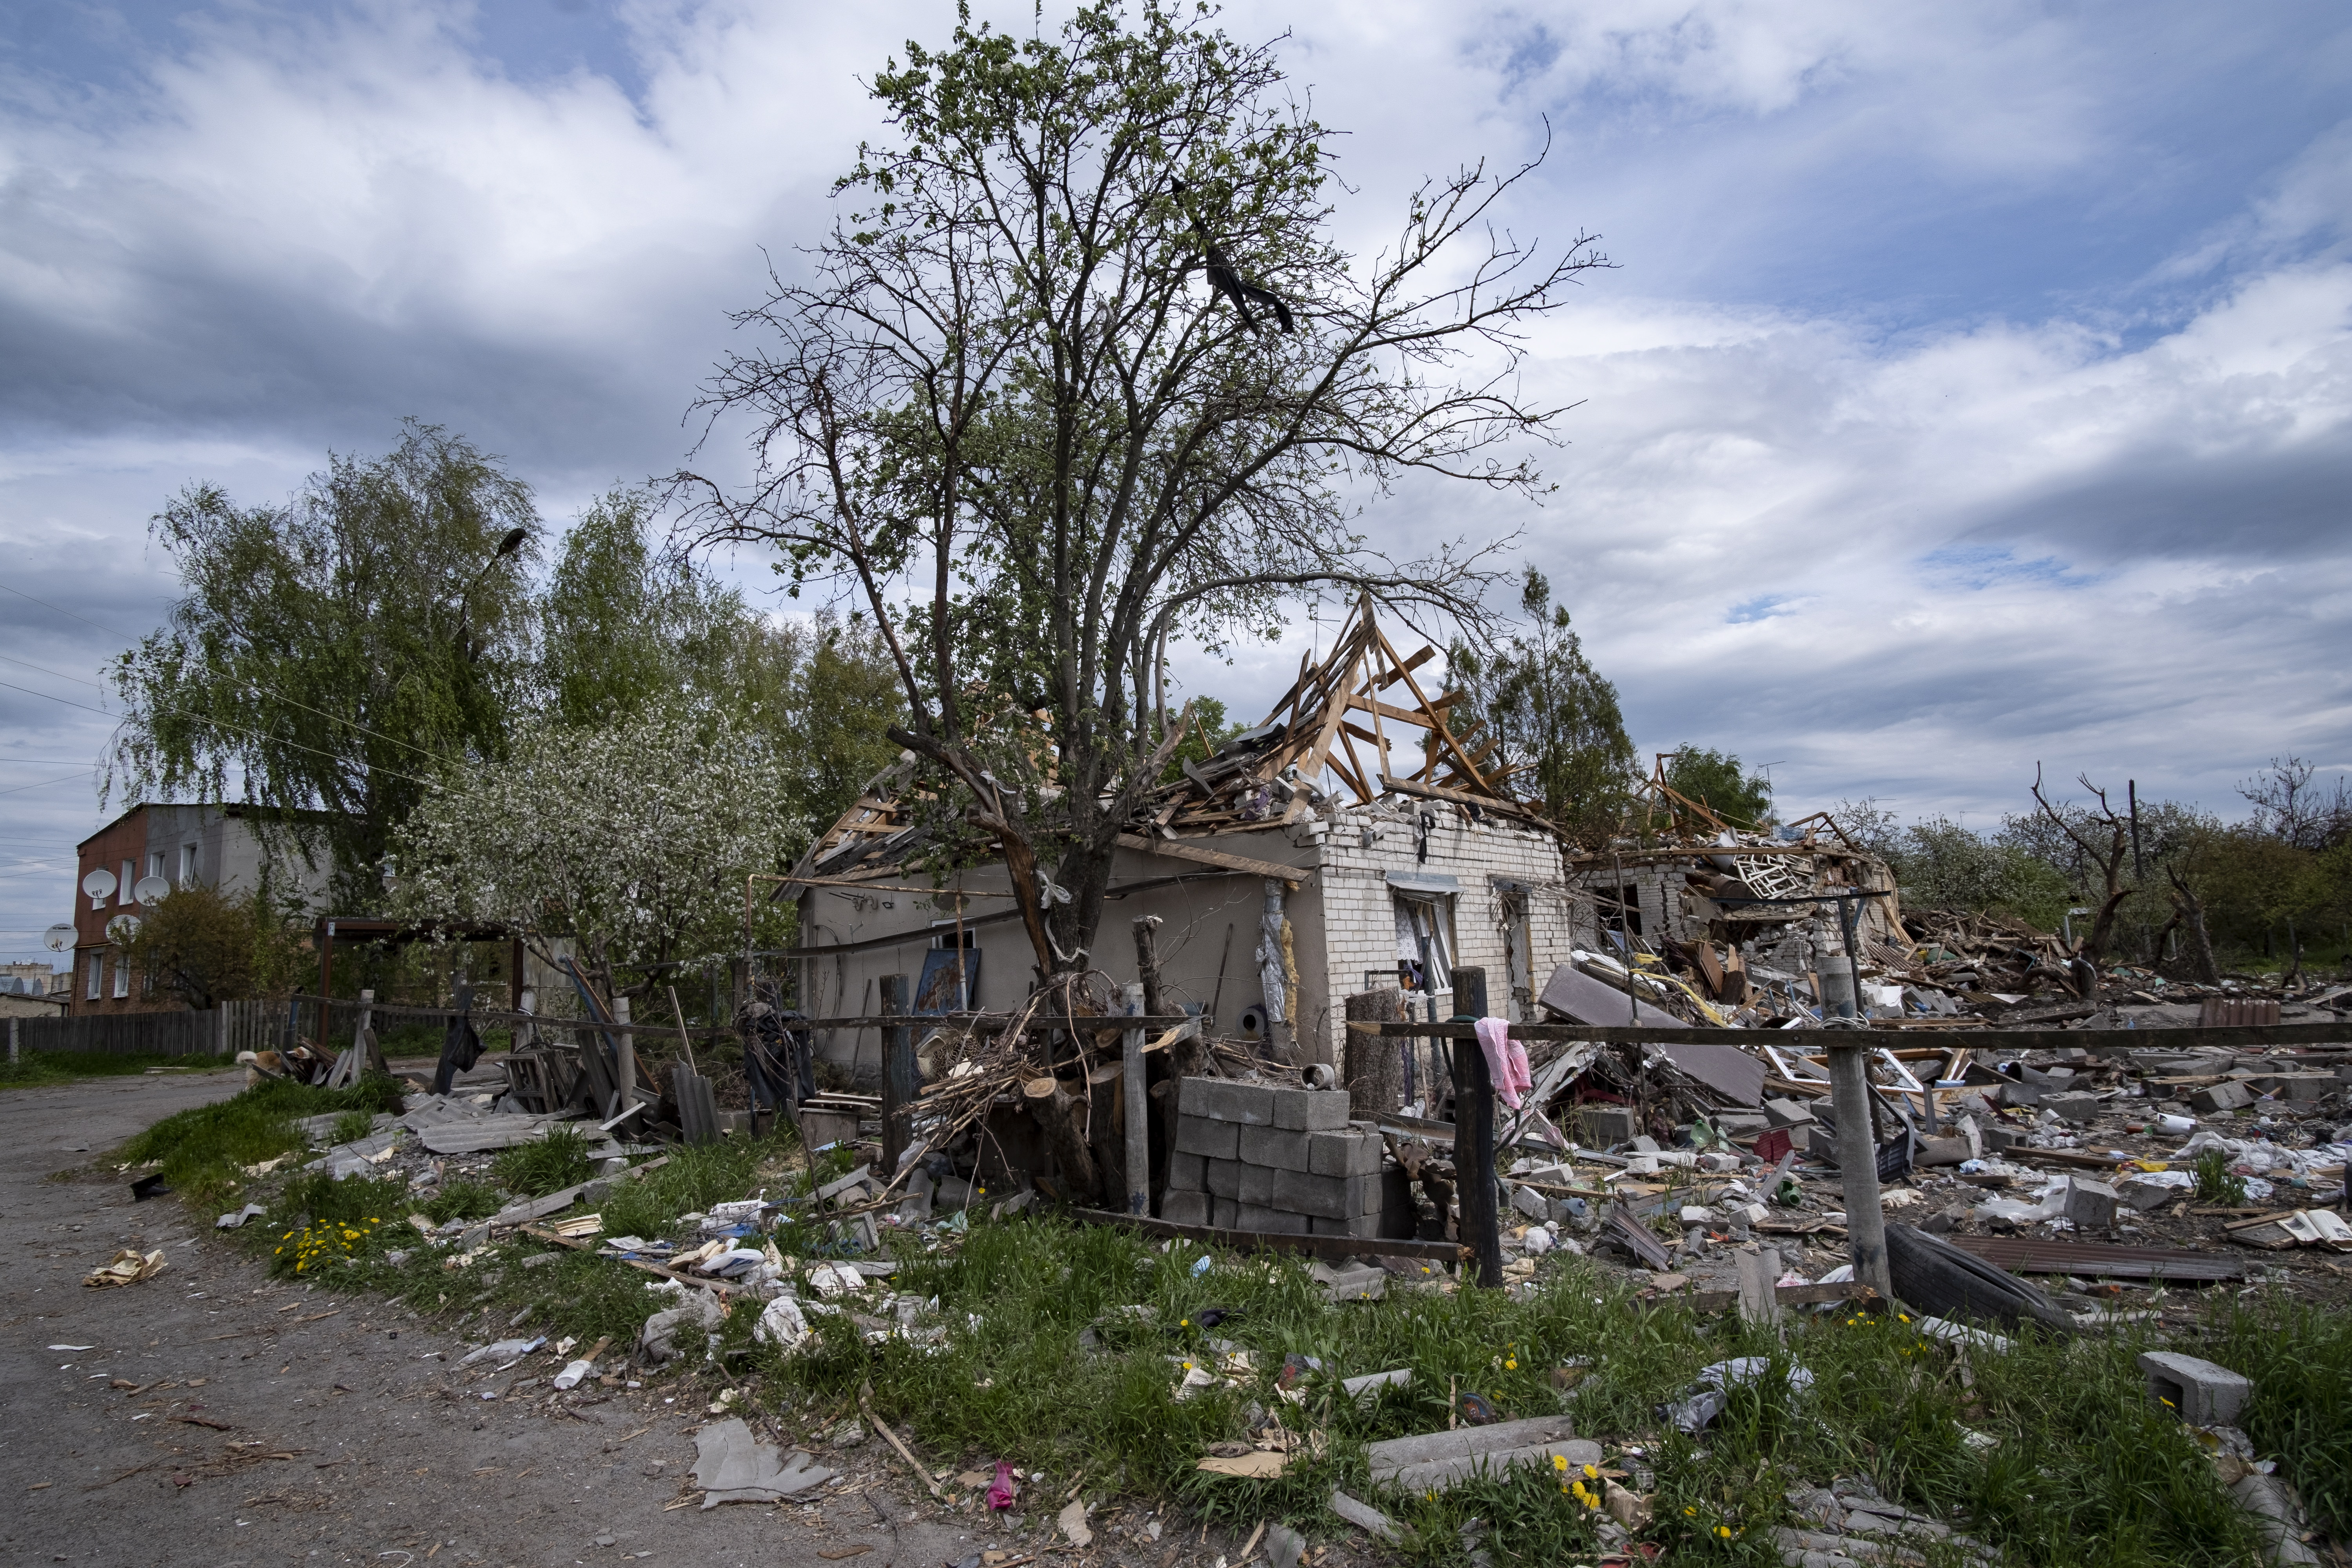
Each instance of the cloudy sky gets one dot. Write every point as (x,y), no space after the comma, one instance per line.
(1974,386)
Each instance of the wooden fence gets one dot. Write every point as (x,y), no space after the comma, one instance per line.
(224,1030)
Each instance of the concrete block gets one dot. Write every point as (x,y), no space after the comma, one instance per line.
(2228,1095)
(1221,1178)
(1333,1198)
(2016,1094)
(1311,1109)
(1187,1173)
(1279,1221)
(1274,1146)
(1257,1185)
(1215,1140)
(2201,1393)
(1364,1226)
(1249,1104)
(1186,1207)
(2072,1107)
(2144,1196)
(1531,1203)
(1603,1126)
(1346,1154)
(1226,1214)
(1787,1113)
(1999,1138)
(1942,1150)
(2090,1204)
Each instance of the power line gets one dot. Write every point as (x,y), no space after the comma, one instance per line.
(217,725)
(43,784)
(45,669)
(256,686)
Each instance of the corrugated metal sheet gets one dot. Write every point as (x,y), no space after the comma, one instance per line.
(2096,1260)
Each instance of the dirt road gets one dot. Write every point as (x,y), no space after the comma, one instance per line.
(219,1417)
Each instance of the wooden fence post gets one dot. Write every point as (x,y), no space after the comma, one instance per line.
(899,1088)
(1474,1133)
(1138,1131)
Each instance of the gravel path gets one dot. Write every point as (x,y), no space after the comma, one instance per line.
(221,1417)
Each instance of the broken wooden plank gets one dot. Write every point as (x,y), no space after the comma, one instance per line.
(1179,849)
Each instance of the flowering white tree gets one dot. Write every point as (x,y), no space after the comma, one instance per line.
(635,840)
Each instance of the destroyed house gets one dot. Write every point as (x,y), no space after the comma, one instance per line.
(1357,839)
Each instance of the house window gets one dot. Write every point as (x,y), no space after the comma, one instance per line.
(130,877)
(1621,912)
(1424,935)
(97,970)
(187,864)
(155,862)
(121,977)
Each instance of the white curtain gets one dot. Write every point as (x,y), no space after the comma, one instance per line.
(1422,919)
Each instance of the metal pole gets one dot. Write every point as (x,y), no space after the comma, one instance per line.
(1137,1137)
(899,1088)
(12,1031)
(1865,1224)
(1474,1134)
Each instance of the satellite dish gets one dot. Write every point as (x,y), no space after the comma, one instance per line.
(59,938)
(97,884)
(152,889)
(122,927)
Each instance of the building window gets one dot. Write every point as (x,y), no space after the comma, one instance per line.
(97,969)
(121,977)
(155,862)
(1424,935)
(130,878)
(187,864)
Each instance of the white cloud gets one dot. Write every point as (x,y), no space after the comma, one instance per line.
(1975,389)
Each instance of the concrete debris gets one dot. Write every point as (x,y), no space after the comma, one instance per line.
(732,1466)
(1366,1518)
(1438,1461)
(2200,1392)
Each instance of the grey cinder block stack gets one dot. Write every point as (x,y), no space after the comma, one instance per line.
(1250,1156)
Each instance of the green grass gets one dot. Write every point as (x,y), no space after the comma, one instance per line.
(557,1161)
(34,1069)
(351,1126)
(2082,1468)
(2215,1184)
(204,1150)
(2300,1362)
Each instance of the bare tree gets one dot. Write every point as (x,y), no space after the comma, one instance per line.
(1018,403)
(2086,828)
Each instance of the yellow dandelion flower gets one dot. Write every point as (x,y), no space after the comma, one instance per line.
(1690,1514)
(1592,1472)
(1511,1365)
(1559,1462)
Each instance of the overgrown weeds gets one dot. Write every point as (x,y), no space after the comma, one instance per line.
(2299,1358)
(204,1150)
(557,1160)
(2216,1182)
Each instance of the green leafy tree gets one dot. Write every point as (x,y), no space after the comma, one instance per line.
(1562,733)
(333,653)
(634,839)
(1714,779)
(201,947)
(628,630)
(1081,365)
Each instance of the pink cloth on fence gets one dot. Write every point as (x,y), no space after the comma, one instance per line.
(1506,1060)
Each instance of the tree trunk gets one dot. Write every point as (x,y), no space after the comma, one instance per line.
(1062,1115)
(1374,1068)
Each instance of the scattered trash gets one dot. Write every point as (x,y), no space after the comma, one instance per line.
(1706,1399)
(1946,1282)
(782,1324)
(696,1309)
(732,1466)
(506,1353)
(1365,1389)
(1284,1546)
(237,1218)
(1072,1522)
(147,1187)
(128,1267)
(1001,1491)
